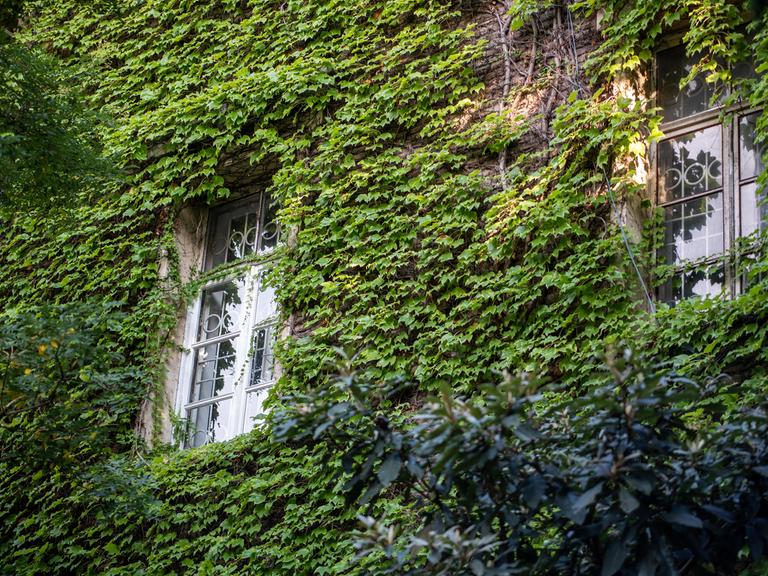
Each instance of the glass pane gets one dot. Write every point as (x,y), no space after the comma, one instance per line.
(690,164)
(744,69)
(262,361)
(694,97)
(754,209)
(750,153)
(233,233)
(209,423)
(694,284)
(221,309)
(254,406)
(270,228)
(750,271)
(266,305)
(214,370)
(243,232)
(693,229)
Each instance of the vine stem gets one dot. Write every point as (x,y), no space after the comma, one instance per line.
(557,28)
(531,60)
(6,378)
(504,24)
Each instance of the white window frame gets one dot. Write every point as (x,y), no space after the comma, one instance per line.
(258,312)
(728,119)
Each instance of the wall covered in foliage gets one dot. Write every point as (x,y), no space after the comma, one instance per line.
(446,171)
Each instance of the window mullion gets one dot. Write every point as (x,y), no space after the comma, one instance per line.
(728,203)
(691,197)
(215,340)
(206,401)
(675,128)
(187,364)
(237,416)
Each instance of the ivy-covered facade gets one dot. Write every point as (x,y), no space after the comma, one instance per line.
(463,188)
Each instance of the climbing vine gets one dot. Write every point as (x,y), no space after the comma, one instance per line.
(443,171)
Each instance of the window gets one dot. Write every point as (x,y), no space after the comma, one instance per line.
(228,367)
(706,171)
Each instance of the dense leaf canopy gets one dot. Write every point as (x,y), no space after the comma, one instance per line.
(445,170)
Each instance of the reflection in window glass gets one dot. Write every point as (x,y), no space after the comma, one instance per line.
(691,164)
(754,209)
(208,423)
(254,406)
(750,153)
(695,284)
(694,229)
(261,363)
(242,238)
(233,233)
(221,309)
(744,70)
(215,370)
(244,229)
(694,97)
(270,228)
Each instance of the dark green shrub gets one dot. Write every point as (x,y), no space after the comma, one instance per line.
(645,474)
(66,394)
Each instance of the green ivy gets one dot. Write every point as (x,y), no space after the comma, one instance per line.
(407,243)
(244,507)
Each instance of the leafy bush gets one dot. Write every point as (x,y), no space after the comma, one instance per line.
(49,152)
(65,392)
(645,474)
